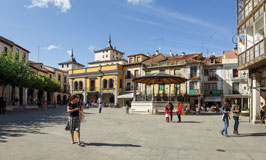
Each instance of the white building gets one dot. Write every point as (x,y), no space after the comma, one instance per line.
(107,56)
(234,81)
(70,64)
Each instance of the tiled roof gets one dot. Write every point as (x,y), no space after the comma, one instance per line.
(196,56)
(230,54)
(218,60)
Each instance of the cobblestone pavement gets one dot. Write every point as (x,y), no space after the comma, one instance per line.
(40,134)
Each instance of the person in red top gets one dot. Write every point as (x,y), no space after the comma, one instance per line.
(179,112)
(167,112)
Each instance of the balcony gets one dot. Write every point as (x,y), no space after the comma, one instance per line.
(193,76)
(214,78)
(194,91)
(213,92)
(254,57)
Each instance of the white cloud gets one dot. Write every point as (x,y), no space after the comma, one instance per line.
(91,48)
(51,47)
(137,2)
(63,5)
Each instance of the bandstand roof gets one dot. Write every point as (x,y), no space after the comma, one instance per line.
(160,78)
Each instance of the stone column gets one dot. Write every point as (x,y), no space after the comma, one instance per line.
(116,89)
(85,91)
(71,86)
(152,99)
(134,95)
(255,110)
(100,89)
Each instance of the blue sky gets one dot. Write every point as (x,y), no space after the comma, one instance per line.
(136,26)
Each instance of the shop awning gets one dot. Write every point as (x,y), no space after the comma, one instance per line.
(126,95)
(213,99)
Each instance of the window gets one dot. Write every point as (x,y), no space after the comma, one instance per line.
(67,65)
(50,76)
(212,60)
(136,73)
(59,77)
(92,85)
(235,73)
(104,83)
(80,85)
(236,88)
(162,71)
(120,83)
(177,72)
(147,72)
(106,56)
(75,85)
(193,85)
(130,60)
(62,66)
(138,59)
(212,75)
(24,56)
(213,86)
(206,72)
(65,88)
(128,75)
(193,72)
(5,50)
(177,89)
(128,87)
(65,79)
(111,83)
(161,88)
(103,56)
(17,50)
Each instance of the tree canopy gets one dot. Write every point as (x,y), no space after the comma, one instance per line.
(16,72)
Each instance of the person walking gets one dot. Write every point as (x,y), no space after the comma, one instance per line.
(100,107)
(171,107)
(262,113)
(225,118)
(179,112)
(236,113)
(73,121)
(127,108)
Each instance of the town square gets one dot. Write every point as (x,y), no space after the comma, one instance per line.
(132,79)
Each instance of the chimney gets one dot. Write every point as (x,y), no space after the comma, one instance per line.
(183,53)
(171,53)
(157,52)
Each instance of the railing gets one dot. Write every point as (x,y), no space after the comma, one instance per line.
(213,92)
(165,64)
(252,53)
(213,78)
(161,97)
(194,91)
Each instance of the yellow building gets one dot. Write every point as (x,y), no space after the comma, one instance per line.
(102,80)
(103,83)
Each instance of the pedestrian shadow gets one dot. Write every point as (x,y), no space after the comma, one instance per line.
(189,122)
(110,145)
(250,135)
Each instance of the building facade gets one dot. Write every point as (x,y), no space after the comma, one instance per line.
(102,80)
(251,51)
(15,96)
